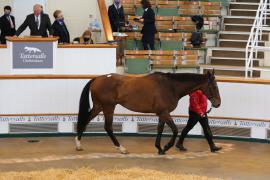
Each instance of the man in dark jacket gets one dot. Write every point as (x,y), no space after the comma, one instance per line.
(149,28)
(7,25)
(37,22)
(116,16)
(59,28)
(198,20)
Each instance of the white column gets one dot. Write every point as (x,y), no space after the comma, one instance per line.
(4,128)
(258,132)
(65,127)
(130,127)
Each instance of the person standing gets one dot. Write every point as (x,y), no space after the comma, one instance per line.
(59,28)
(149,28)
(38,23)
(116,16)
(7,25)
(197,113)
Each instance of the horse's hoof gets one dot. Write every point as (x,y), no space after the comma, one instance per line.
(161,153)
(124,152)
(180,148)
(215,149)
(79,149)
(122,149)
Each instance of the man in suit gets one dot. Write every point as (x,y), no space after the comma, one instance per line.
(149,28)
(37,22)
(59,27)
(7,25)
(116,16)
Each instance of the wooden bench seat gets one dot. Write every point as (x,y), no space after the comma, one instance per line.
(166,58)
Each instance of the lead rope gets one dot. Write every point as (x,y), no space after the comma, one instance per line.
(207,112)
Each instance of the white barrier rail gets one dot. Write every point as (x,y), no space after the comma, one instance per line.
(256,34)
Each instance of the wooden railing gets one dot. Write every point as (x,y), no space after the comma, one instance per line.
(51,76)
(105,20)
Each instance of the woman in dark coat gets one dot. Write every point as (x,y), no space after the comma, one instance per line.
(149,28)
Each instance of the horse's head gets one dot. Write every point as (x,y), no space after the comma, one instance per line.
(211,90)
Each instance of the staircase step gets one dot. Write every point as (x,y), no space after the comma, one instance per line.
(232,52)
(239,20)
(228,70)
(244,5)
(249,1)
(234,36)
(238,27)
(239,35)
(235,43)
(242,20)
(243,12)
(231,61)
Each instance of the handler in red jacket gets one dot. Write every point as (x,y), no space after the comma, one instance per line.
(197,112)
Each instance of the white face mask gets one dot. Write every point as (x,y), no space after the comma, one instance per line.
(117,2)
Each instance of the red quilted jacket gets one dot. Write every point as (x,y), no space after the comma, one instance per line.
(198,102)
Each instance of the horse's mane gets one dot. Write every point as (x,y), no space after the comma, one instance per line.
(184,76)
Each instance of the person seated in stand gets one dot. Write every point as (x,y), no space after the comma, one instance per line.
(116,16)
(7,25)
(59,28)
(86,38)
(199,21)
(197,36)
(197,113)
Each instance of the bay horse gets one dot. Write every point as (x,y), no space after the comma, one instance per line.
(156,93)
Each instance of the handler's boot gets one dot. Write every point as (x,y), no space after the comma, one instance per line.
(180,147)
(215,148)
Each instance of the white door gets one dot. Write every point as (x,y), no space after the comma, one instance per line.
(21,8)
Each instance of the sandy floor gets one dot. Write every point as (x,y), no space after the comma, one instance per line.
(238,160)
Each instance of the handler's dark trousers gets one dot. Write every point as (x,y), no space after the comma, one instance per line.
(192,121)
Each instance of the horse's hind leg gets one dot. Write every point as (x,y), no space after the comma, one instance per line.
(169,121)
(159,134)
(81,125)
(108,126)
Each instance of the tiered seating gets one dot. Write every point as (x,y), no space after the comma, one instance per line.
(174,8)
(186,38)
(210,8)
(163,41)
(170,41)
(165,23)
(133,41)
(128,6)
(164,58)
(167,8)
(189,7)
(173,40)
(176,23)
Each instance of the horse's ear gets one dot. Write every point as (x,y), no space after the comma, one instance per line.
(209,74)
(213,74)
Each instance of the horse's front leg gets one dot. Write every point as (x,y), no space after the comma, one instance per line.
(169,121)
(108,113)
(159,134)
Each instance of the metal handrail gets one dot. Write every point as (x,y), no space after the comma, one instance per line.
(255,36)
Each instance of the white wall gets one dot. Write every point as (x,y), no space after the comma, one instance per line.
(76,12)
(4,3)
(62,96)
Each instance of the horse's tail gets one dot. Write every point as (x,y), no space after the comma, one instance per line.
(84,109)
